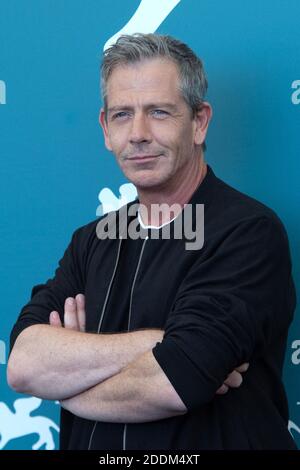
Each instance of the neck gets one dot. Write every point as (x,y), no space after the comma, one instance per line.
(171,195)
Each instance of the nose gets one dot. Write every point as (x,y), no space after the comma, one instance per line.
(140,131)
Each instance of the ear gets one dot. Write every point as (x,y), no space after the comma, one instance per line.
(103,124)
(202,118)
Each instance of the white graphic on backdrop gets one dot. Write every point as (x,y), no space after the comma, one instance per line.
(2,352)
(148,17)
(110,202)
(2,92)
(296,354)
(293,428)
(296,95)
(20,423)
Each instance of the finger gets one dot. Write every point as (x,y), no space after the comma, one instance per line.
(80,300)
(54,319)
(234,379)
(222,390)
(243,368)
(70,317)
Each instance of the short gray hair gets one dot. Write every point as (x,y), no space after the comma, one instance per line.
(130,49)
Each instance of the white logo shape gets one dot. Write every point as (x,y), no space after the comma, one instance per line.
(147,18)
(110,202)
(20,423)
(296,94)
(293,427)
(296,353)
(2,92)
(2,352)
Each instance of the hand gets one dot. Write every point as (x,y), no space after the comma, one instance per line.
(234,379)
(74,314)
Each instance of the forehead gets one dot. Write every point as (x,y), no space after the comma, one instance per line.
(154,77)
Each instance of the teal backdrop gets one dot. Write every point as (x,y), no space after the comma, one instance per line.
(53,160)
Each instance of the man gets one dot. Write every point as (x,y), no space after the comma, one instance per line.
(153,330)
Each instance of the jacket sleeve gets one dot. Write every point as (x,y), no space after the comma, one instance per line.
(229,307)
(68,281)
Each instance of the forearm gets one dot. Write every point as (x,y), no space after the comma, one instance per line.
(56,363)
(141,392)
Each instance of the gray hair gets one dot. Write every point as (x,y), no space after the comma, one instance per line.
(130,49)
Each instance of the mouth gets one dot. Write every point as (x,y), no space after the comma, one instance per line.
(143,158)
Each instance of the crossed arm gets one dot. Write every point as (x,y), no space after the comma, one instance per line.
(107,377)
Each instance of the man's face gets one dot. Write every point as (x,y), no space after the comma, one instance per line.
(149,126)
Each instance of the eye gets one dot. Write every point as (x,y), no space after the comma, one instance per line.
(120,115)
(159,113)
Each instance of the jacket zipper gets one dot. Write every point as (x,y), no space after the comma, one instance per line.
(101,320)
(129,318)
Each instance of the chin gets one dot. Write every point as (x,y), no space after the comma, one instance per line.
(150,183)
(146,181)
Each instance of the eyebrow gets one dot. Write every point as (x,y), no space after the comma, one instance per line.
(170,106)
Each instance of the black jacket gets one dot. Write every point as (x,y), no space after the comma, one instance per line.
(231,301)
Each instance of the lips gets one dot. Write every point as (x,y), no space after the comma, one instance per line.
(142,157)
